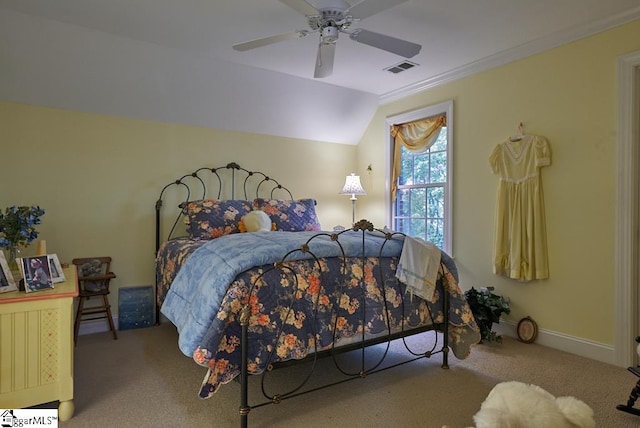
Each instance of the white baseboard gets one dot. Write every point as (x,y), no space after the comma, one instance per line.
(563,342)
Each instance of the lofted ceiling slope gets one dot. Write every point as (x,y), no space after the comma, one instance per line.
(173,61)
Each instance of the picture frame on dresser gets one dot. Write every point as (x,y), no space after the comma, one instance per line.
(7,282)
(36,273)
(57,274)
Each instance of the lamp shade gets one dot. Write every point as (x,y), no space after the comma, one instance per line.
(352,186)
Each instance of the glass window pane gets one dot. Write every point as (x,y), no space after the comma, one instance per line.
(441,141)
(406,171)
(438,167)
(403,203)
(418,227)
(421,168)
(418,202)
(435,232)
(402,225)
(435,204)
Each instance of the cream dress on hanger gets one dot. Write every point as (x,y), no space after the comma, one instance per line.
(520,236)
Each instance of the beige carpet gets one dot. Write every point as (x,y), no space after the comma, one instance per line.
(142,380)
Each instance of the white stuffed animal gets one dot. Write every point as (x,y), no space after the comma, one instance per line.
(257,221)
(516,404)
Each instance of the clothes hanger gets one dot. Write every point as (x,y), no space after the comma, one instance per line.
(519,135)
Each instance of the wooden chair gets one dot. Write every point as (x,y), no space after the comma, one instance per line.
(94,276)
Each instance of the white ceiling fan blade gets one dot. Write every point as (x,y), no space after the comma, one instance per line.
(301,6)
(324,61)
(252,44)
(387,43)
(370,7)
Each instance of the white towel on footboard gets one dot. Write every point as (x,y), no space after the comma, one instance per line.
(418,266)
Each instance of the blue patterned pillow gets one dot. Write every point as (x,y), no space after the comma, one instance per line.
(289,215)
(211,218)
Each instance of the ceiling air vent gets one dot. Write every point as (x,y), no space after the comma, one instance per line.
(403,66)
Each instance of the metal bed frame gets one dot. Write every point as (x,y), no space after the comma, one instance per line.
(270,186)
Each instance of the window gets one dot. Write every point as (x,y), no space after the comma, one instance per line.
(422,203)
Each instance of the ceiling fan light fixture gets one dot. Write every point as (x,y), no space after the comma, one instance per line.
(330,34)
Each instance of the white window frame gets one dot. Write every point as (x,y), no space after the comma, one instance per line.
(433,110)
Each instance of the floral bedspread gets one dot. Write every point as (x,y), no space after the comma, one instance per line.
(171,256)
(296,310)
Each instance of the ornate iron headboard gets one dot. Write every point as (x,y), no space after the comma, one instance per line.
(231,177)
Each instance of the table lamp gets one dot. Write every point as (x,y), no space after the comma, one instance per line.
(353,187)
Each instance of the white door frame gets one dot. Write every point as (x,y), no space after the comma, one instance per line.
(627,247)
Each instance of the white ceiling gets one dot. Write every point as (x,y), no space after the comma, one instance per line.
(193,39)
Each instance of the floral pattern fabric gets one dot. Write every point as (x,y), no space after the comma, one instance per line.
(171,256)
(211,218)
(294,312)
(290,215)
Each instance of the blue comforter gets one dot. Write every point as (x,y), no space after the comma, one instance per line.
(199,287)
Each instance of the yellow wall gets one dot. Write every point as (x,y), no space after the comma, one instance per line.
(98,177)
(567,94)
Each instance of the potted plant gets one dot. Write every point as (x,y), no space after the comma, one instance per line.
(17,229)
(487,307)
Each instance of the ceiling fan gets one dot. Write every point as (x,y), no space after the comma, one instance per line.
(329,18)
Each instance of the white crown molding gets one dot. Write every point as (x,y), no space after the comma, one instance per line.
(519,52)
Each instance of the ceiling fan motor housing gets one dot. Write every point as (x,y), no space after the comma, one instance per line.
(330,34)
(329,17)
